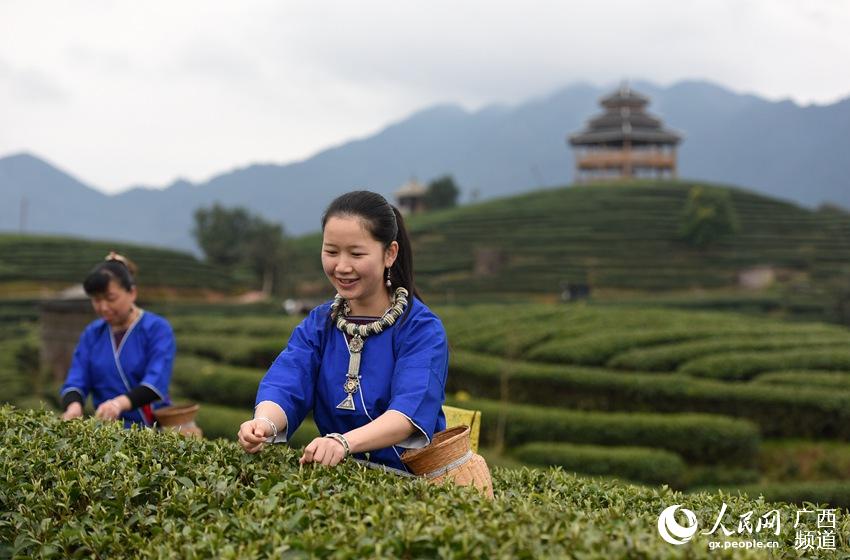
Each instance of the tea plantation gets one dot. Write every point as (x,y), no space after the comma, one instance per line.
(612,237)
(600,390)
(30,259)
(84,489)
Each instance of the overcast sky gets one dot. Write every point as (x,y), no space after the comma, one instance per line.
(124,93)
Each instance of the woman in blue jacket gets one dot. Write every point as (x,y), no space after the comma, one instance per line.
(124,358)
(371,365)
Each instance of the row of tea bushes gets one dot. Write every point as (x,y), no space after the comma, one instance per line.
(67,259)
(598,334)
(746,365)
(277,327)
(234,350)
(669,357)
(19,365)
(804,460)
(639,464)
(837,380)
(106,492)
(597,349)
(214,382)
(778,411)
(698,438)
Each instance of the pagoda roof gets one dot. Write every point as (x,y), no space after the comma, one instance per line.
(411,188)
(624,97)
(624,119)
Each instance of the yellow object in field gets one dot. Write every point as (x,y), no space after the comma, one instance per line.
(462,416)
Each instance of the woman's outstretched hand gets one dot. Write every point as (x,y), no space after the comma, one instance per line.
(253,435)
(74,410)
(323,450)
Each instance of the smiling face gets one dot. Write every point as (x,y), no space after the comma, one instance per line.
(115,304)
(354,262)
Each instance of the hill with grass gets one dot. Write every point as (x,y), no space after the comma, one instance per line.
(34,260)
(616,237)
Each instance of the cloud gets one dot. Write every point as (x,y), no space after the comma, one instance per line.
(161,89)
(31,86)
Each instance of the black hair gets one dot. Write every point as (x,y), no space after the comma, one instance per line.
(386,224)
(97,282)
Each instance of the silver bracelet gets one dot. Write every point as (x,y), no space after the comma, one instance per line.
(341,439)
(272,424)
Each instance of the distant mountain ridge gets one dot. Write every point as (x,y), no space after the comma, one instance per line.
(778,148)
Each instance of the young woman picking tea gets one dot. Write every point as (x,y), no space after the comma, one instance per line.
(371,365)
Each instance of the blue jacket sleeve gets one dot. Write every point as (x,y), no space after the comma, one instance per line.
(418,387)
(161,349)
(79,376)
(291,379)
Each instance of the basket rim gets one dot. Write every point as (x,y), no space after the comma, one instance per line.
(442,445)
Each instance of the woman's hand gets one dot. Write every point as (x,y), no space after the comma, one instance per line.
(325,451)
(74,410)
(112,409)
(253,434)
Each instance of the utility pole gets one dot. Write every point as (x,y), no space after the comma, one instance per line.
(23,217)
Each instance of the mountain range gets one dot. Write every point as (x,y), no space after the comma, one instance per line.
(779,148)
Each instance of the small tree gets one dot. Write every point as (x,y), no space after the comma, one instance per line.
(441,193)
(233,238)
(222,234)
(709,215)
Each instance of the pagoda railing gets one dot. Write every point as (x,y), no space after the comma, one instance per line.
(616,159)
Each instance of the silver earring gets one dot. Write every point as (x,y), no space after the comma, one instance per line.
(389,282)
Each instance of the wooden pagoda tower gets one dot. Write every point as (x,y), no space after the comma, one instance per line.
(624,142)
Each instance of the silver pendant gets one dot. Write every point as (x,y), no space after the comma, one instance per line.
(347,404)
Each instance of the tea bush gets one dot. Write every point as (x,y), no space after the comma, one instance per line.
(668,357)
(84,489)
(213,382)
(836,380)
(67,259)
(746,365)
(639,464)
(278,327)
(234,350)
(699,438)
(778,411)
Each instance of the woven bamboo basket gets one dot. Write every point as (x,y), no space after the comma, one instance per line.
(179,418)
(449,458)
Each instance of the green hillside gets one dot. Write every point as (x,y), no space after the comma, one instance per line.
(616,236)
(51,259)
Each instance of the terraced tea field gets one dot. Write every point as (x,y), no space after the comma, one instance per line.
(691,399)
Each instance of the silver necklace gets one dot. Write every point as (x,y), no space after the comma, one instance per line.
(340,310)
